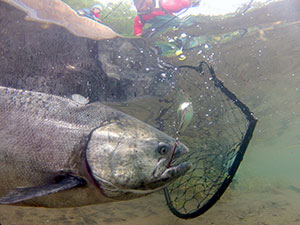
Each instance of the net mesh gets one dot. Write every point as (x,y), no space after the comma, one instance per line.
(217,138)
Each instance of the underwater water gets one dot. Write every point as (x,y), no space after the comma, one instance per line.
(263,70)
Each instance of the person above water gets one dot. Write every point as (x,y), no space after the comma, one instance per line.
(93,13)
(148,9)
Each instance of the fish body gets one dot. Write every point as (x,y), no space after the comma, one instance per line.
(55,152)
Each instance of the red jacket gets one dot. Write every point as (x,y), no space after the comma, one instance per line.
(173,6)
(166,7)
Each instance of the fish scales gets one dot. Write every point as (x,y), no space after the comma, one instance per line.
(32,118)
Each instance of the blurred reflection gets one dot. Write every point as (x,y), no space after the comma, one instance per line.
(93,13)
(160,10)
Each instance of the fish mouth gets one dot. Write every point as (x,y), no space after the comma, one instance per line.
(168,175)
(175,171)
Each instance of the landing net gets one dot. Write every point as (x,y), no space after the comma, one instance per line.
(217,137)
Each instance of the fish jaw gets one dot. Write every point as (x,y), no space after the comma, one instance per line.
(169,175)
(174,172)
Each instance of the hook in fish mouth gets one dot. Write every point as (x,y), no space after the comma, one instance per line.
(163,179)
(162,171)
(175,171)
(165,163)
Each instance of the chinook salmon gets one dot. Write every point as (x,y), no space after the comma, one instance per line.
(56,152)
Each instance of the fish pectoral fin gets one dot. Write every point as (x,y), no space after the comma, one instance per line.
(25,193)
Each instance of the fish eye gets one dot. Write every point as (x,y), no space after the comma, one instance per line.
(163,149)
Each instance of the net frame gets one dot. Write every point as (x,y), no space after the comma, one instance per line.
(236,158)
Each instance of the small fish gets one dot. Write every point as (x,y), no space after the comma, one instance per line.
(55,152)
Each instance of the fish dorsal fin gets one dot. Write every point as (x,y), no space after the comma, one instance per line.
(25,193)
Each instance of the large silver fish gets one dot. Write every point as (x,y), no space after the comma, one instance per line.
(55,152)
